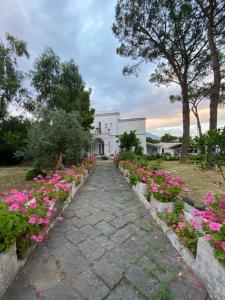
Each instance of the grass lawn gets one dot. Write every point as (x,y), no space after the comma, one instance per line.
(14,177)
(197,180)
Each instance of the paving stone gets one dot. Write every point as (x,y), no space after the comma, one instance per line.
(105,227)
(94,248)
(25,294)
(124,292)
(109,272)
(61,291)
(121,235)
(90,286)
(146,285)
(119,222)
(44,275)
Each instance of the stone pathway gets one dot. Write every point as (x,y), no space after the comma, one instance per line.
(107,247)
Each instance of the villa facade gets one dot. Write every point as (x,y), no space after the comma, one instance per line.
(108,125)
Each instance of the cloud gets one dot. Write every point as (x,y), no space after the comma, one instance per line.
(81,29)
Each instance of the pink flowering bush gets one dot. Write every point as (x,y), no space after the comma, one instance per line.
(161,185)
(213,223)
(209,223)
(25,215)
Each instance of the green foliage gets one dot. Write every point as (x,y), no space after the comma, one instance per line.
(214,140)
(125,155)
(168,138)
(60,86)
(10,77)
(129,142)
(11,227)
(59,133)
(13,132)
(31,174)
(152,141)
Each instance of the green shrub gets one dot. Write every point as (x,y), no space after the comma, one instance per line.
(104,157)
(31,174)
(11,227)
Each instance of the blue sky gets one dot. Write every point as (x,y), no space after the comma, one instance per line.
(81,29)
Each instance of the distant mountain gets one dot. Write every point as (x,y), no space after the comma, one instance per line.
(153,136)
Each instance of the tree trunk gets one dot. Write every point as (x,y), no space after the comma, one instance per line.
(186,124)
(215,94)
(59,163)
(195,112)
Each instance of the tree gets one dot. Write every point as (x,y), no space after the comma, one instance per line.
(129,142)
(13,133)
(60,86)
(10,77)
(212,15)
(168,138)
(57,139)
(169,33)
(211,139)
(151,140)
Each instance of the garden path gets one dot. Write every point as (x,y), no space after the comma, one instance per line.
(107,247)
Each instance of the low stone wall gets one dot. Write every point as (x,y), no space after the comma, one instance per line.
(205,265)
(9,263)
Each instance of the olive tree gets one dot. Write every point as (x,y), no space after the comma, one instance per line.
(56,140)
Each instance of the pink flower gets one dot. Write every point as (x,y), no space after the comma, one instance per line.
(60,218)
(195,223)
(224,221)
(186,189)
(222,203)
(208,236)
(181,225)
(49,214)
(39,238)
(23,210)
(33,205)
(32,219)
(208,198)
(214,226)
(40,221)
(196,213)
(14,207)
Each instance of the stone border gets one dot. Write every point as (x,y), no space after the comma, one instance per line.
(9,263)
(205,265)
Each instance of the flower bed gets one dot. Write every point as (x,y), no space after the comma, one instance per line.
(26,216)
(199,236)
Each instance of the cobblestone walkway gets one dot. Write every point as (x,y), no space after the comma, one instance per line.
(107,247)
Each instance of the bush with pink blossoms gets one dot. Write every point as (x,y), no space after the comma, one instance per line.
(25,216)
(161,185)
(213,223)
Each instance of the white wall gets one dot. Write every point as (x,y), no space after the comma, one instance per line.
(112,126)
(138,124)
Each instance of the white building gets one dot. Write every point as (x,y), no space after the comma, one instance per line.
(161,148)
(108,125)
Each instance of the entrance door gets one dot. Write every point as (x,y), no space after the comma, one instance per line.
(101,149)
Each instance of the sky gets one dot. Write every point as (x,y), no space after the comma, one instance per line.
(81,29)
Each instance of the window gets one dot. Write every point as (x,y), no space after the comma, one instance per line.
(99,127)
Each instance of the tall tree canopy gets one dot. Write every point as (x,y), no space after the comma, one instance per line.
(212,14)
(10,77)
(166,32)
(60,86)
